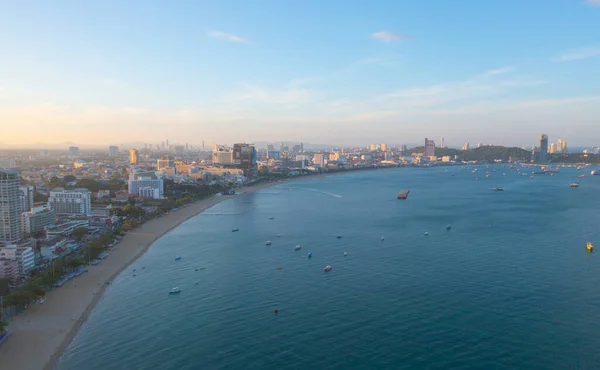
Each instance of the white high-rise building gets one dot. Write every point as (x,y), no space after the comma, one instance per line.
(143,180)
(26,197)
(442,142)
(70,202)
(7,163)
(465,146)
(10,208)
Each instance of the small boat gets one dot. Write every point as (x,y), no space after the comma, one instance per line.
(234,230)
(580,176)
(339,236)
(268,242)
(327,268)
(279,235)
(595,173)
(175,290)
(448,227)
(177,258)
(574,185)
(382,238)
(271,218)
(497,189)
(309,255)
(426,233)
(589,246)
(403,194)
(345,254)
(298,247)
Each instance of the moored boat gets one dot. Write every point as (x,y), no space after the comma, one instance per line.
(589,246)
(175,290)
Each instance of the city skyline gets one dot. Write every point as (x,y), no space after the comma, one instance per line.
(312,72)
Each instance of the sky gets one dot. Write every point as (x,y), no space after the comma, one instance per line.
(339,72)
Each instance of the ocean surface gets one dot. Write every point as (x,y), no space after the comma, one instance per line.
(510,286)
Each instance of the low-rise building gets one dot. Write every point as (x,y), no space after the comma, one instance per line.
(22,255)
(65,228)
(9,269)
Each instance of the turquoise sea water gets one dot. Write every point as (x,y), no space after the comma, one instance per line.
(510,286)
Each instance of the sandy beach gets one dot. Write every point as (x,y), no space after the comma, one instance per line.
(44,332)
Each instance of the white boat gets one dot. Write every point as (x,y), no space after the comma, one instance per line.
(175,290)
(595,173)
(426,233)
(298,247)
(177,258)
(327,268)
(268,242)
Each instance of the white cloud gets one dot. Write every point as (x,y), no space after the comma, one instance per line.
(498,71)
(593,2)
(228,37)
(250,96)
(387,36)
(577,54)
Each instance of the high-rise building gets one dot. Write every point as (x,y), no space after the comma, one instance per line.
(479,145)
(70,202)
(561,146)
(113,151)
(7,163)
(383,147)
(465,146)
(10,208)
(244,156)
(429,148)
(133,156)
(442,142)
(141,182)
(73,150)
(165,161)
(404,148)
(26,197)
(319,159)
(543,148)
(179,149)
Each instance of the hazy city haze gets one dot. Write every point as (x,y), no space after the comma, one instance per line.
(339,72)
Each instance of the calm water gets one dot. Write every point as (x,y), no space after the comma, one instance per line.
(509,286)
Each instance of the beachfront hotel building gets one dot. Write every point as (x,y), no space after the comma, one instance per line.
(144,181)
(10,208)
(37,219)
(70,202)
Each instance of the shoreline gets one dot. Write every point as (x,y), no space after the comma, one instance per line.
(51,327)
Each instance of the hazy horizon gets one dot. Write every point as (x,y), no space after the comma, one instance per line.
(340,73)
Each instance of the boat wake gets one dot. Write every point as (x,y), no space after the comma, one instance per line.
(326,193)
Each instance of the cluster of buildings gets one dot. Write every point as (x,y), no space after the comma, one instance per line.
(539,154)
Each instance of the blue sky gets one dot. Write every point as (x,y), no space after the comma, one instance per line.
(339,72)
